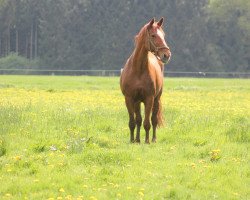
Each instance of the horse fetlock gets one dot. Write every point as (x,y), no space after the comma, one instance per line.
(137,140)
(154,139)
(147,141)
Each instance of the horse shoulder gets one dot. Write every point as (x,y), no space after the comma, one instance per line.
(126,78)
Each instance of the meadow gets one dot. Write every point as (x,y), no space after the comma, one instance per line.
(68,138)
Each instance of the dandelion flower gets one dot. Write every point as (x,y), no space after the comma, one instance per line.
(68,197)
(141,193)
(79,198)
(17,158)
(61,190)
(118,195)
(193,165)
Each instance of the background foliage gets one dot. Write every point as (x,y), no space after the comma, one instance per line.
(94,34)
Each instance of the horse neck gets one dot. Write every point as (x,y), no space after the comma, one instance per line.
(140,57)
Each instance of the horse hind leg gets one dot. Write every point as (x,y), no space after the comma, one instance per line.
(138,120)
(148,108)
(156,118)
(130,107)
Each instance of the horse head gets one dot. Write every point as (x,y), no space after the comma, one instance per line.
(155,41)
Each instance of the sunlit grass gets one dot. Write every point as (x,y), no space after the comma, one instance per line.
(67,138)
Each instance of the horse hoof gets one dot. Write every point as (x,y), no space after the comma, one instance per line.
(154,140)
(137,141)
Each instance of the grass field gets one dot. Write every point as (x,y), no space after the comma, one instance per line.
(67,138)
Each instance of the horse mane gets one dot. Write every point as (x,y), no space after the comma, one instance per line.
(141,36)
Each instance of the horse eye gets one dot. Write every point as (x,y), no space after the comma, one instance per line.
(153,36)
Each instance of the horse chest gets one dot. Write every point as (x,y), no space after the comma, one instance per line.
(141,88)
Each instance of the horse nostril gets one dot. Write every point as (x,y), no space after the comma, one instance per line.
(165,56)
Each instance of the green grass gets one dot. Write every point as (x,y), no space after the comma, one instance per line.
(67,138)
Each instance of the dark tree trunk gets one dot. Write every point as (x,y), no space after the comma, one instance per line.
(31,42)
(0,45)
(8,42)
(26,46)
(17,42)
(36,41)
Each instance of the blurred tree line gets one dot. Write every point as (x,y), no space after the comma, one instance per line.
(204,35)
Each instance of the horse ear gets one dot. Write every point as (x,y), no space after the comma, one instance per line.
(159,23)
(151,22)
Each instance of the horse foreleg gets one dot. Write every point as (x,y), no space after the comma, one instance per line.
(148,108)
(138,120)
(130,107)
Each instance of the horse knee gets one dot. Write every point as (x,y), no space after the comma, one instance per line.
(139,120)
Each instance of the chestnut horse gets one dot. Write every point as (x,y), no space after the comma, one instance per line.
(142,79)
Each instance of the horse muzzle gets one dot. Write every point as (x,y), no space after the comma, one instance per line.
(165,58)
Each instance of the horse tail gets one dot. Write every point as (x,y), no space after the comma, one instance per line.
(160,119)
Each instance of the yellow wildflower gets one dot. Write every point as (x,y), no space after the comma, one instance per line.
(17,158)
(141,193)
(118,195)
